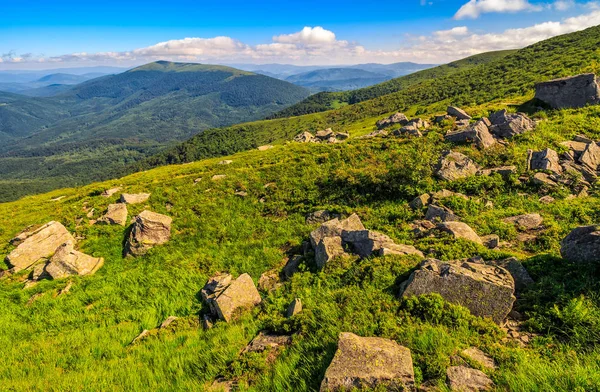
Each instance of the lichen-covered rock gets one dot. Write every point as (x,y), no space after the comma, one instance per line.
(148,230)
(487,291)
(518,272)
(304,137)
(320,216)
(572,92)
(368,363)
(590,157)
(334,228)
(116,214)
(454,165)
(480,357)
(327,249)
(544,160)
(464,379)
(397,118)
(458,113)
(440,214)
(582,245)
(294,308)
(420,201)
(37,244)
(460,230)
(507,125)
(477,133)
(134,198)
(241,294)
(67,261)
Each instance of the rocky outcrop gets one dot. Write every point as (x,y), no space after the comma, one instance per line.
(149,229)
(477,133)
(582,245)
(460,230)
(525,222)
(518,272)
(328,248)
(116,214)
(134,198)
(304,137)
(480,357)
(572,92)
(369,363)
(487,291)
(440,214)
(321,216)
(397,118)
(67,261)
(458,113)
(454,165)
(507,125)
(37,244)
(544,160)
(334,228)
(464,379)
(226,297)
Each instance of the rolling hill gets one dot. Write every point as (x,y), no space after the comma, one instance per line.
(336,79)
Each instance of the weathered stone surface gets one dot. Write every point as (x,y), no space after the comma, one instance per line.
(518,272)
(239,295)
(399,250)
(67,261)
(504,171)
(506,125)
(440,214)
(445,193)
(582,245)
(325,134)
(544,179)
(458,113)
(149,229)
(460,230)
(110,192)
(38,244)
(572,92)
(464,379)
(418,123)
(487,291)
(116,214)
(526,221)
(479,356)
(591,156)
(397,118)
(547,199)
(371,362)
(454,165)
(368,242)
(269,281)
(134,198)
(543,160)
(294,308)
(304,137)
(291,266)
(335,227)
(218,177)
(267,341)
(477,133)
(264,148)
(491,241)
(321,216)
(420,201)
(327,249)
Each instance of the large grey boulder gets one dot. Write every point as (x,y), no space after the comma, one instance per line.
(507,125)
(572,92)
(590,156)
(518,272)
(544,160)
(525,222)
(226,297)
(440,214)
(67,262)
(454,165)
(369,363)
(458,113)
(396,118)
(304,137)
(328,249)
(116,214)
(149,229)
(334,228)
(477,133)
(368,242)
(460,230)
(464,379)
(582,245)
(37,244)
(487,291)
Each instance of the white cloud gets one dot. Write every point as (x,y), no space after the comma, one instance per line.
(474,8)
(563,5)
(455,32)
(307,36)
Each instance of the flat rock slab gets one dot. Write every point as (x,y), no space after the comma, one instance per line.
(148,230)
(38,244)
(110,192)
(525,222)
(266,341)
(116,214)
(454,165)
(67,262)
(134,198)
(487,291)
(460,230)
(507,125)
(480,357)
(464,379)
(370,362)
(239,295)
(458,113)
(582,245)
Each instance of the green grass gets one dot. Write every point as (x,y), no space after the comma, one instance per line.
(80,340)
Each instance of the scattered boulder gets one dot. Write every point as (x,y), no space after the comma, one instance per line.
(454,165)
(547,199)
(368,363)
(572,92)
(477,133)
(420,202)
(397,118)
(291,267)
(464,379)
(368,242)
(135,198)
(458,113)
(325,134)
(342,135)
(418,123)
(480,357)
(504,171)
(226,162)
(218,177)
(304,137)
(67,261)
(149,229)
(264,148)
(327,249)
(440,214)
(399,250)
(294,308)
(334,228)
(518,272)
(35,245)
(460,230)
(543,179)
(543,160)
(507,125)
(491,241)
(591,156)
(116,214)
(226,297)
(321,216)
(110,192)
(487,291)
(525,222)
(582,245)
(269,281)
(266,341)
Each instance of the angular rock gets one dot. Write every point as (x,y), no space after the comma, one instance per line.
(445,193)
(479,356)
(399,250)
(241,294)
(420,201)
(591,156)
(526,221)
(321,216)
(368,242)
(544,179)
(334,228)
(213,288)
(582,245)
(543,160)
(487,291)
(369,363)
(454,165)
(397,118)
(266,341)
(149,229)
(507,125)
(116,214)
(477,133)
(464,379)
(294,308)
(460,230)
(110,192)
(518,272)
(458,113)
(572,92)
(491,241)
(325,134)
(38,244)
(304,137)
(342,135)
(291,267)
(442,118)
(134,198)
(440,214)
(327,249)
(504,171)
(67,261)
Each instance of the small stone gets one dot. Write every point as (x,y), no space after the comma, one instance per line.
(218,177)
(525,222)
(479,356)
(168,321)
(491,241)
(265,148)
(136,198)
(226,162)
(464,379)
(141,336)
(420,202)
(458,113)
(116,214)
(110,192)
(547,199)
(294,308)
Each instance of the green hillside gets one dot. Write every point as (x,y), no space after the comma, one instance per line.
(93,130)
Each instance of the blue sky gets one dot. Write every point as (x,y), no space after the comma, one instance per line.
(51,34)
